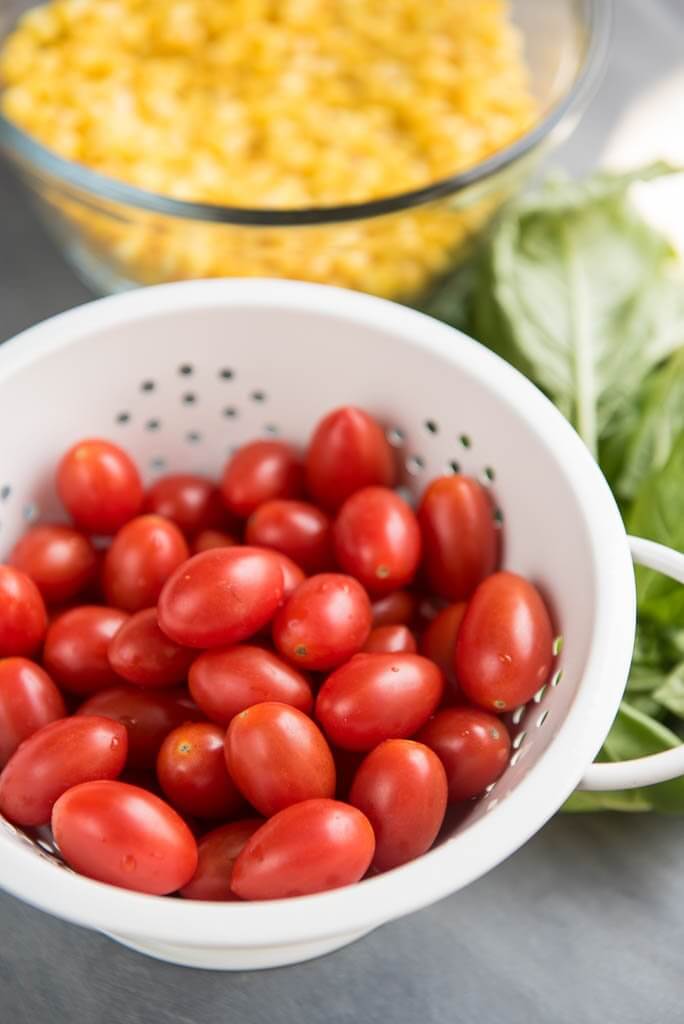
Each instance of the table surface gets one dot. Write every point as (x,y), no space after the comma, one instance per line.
(585,924)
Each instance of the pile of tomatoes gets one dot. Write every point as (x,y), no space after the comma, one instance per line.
(264,688)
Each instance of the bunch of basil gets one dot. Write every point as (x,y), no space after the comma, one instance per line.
(581,294)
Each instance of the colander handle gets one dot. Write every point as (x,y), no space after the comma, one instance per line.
(645,771)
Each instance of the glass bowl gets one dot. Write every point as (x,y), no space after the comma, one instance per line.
(118,236)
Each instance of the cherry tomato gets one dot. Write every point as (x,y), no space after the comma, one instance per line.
(76,647)
(259,472)
(390,640)
(221,597)
(396,609)
(24,619)
(148,715)
(460,537)
(348,451)
(193,503)
(401,787)
(60,561)
(277,757)
(325,621)
(376,697)
(438,642)
(58,756)
(125,836)
(218,851)
(140,653)
(99,486)
(310,847)
(191,768)
(292,575)
(28,701)
(144,553)
(206,540)
(225,682)
(297,529)
(473,746)
(377,540)
(504,644)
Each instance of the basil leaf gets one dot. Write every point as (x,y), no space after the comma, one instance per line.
(671,693)
(581,294)
(659,424)
(629,800)
(658,514)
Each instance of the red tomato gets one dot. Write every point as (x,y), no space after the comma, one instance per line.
(460,537)
(76,647)
(259,472)
(144,553)
(140,653)
(218,851)
(225,682)
(58,756)
(221,597)
(401,787)
(504,644)
(438,642)
(348,451)
(60,561)
(376,697)
(24,619)
(125,836)
(28,701)
(191,768)
(377,540)
(99,486)
(148,715)
(327,619)
(277,757)
(310,847)
(473,746)
(193,503)
(396,609)
(297,529)
(390,640)
(292,575)
(206,540)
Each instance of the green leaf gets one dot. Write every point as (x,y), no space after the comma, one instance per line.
(659,424)
(658,514)
(629,800)
(582,295)
(648,705)
(670,694)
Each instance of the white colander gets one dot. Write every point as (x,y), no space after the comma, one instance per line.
(181,374)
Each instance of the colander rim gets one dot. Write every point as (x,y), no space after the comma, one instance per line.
(488,840)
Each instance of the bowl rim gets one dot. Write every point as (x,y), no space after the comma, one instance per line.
(489,839)
(33,155)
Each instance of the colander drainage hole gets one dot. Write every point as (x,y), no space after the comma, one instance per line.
(519,740)
(414,464)
(230,412)
(226,374)
(558,644)
(123,417)
(193,437)
(542,718)
(453,466)
(186,369)
(431,427)
(5,492)
(258,396)
(30,512)
(189,398)
(465,441)
(488,474)
(272,429)
(395,436)
(157,464)
(556,677)
(517,715)
(147,385)
(152,425)
(539,695)
(498,516)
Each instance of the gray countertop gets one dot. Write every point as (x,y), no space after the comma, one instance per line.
(585,925)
